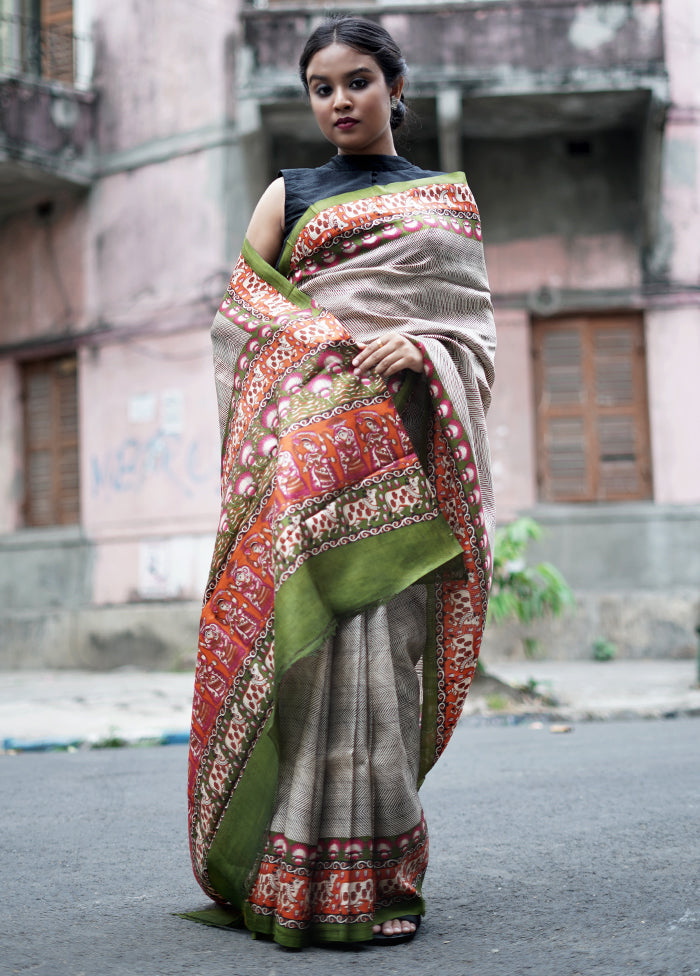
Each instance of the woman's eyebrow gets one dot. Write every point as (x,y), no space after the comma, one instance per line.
(349,74)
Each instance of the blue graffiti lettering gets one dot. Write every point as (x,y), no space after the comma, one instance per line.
(135,465)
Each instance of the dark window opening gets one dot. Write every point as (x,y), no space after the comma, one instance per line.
(579,147)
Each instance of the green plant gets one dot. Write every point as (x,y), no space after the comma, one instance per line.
(531,646)
(521,591)
(497,703)
(539,689)
(110,742)
(603,650)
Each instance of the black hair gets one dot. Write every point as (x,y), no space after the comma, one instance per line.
(368,38)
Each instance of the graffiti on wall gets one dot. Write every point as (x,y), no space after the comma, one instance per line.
(157,451)
(139,464)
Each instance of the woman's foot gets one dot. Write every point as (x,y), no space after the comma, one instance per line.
(396,930)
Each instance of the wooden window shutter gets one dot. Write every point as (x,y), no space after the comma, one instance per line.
(592,417)
(52,463)
(57,40)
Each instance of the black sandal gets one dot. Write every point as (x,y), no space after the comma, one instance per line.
(380,939)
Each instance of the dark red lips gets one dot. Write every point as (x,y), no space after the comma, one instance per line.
(346,123)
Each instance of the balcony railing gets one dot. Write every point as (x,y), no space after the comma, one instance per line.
(30,50)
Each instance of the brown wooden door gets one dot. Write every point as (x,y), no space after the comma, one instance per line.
(52,464)
(591,405)
(57,40)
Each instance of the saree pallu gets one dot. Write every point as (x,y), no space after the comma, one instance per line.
(347,596)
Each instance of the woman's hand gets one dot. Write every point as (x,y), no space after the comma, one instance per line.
(388,355)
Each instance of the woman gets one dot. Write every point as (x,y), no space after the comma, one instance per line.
(343,615)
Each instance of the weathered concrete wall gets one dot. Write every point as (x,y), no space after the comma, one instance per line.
(10,448)
(673,366)
(556,185)
(159,214)
(144,258)
(472,41)
(557,220)
(42,272)
(511,418)
(156,242)
(622,546)
(676,256)
(639,624)
(150,468)
(145,635)
(132,272)
(162,69)
(635,570)
(673,321)
(45,568)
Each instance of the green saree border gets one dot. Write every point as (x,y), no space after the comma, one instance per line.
(365,193)
(218,917)
(428,722)
(273,277)
(237,846)
(345,580)
(327,932)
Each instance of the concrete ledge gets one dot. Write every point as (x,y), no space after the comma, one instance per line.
(640,624)
(640,546)
(145,635)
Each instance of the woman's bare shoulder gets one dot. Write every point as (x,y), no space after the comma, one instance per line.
(266,228)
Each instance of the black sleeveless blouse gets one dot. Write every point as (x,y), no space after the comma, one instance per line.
(342,174)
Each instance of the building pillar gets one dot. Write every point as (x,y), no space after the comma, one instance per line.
(449,122)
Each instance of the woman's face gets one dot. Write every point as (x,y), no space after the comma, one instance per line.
(351,100)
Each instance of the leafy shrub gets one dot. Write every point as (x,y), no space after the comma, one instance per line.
(521,591)
(603,650)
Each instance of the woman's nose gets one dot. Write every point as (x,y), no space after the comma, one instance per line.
(341,100)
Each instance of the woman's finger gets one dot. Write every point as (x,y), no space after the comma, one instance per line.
(371,354)
(388,355)
(407,356)
(388,362)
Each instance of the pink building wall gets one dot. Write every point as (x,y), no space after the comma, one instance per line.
(10,459)
(137,265)
(140,262)
(612,261)
(556,262)
(525,267)
(673,329)
(150,468)
(511,418)
(157,267)
(42,272)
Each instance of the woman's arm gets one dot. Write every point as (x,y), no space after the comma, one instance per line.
(266,228)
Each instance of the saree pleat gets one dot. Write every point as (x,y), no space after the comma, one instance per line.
(347,596)
(341,840)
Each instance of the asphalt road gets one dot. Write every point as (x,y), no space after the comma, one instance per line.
(552,855)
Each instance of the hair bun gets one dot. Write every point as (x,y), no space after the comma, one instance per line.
(398,114)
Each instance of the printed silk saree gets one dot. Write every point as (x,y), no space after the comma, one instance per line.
(346,600)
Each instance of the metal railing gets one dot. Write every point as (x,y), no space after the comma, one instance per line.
(55,53)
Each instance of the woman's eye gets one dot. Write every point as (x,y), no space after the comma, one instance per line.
(358,83)
(322,91)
